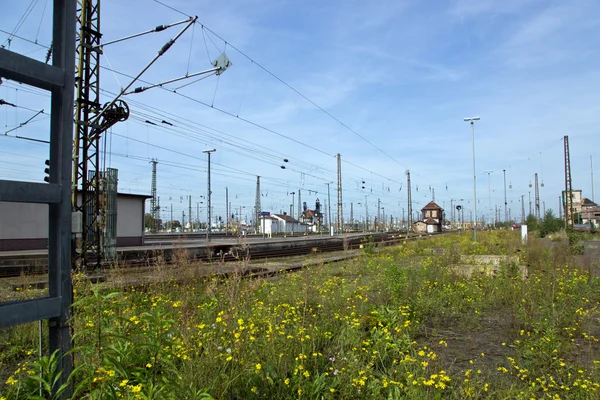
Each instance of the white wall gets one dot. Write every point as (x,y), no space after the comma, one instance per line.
(268,224)
(23,220)
(30,221)
(130,216)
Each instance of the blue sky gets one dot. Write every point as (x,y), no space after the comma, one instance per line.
(401,74)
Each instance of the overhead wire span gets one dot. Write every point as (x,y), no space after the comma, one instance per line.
(24,123)
(162,51)
(41,20)
(301,95)
(25,39)
(159,28)
(259,126)
(20,23)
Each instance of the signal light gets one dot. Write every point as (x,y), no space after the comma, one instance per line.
(47,172)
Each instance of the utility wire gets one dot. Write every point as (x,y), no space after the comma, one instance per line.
(24,39)
(20,22)
(293,89)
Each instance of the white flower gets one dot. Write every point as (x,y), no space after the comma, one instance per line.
(228,350)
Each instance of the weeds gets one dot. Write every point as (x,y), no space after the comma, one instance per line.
(398,323)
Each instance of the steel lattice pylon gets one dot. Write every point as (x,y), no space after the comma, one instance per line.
(153,206)
(85,150)
(409,201)
(91,120)
(340,209)
(257,205)
(537,199)
(568,196)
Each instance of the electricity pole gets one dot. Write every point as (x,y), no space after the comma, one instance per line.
(299,204)
(340,210)
(560,212)
(158,208)
(329,207)
(153,198)
(569,218)
(226,211)
(506,217)
(378,215)
(209,197)
(522,208)
(257,205)
(592,172)
(292,211)
(409,227)
(537,198)
(190,213)
(366,213)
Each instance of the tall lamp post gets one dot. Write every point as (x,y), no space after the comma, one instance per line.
(209,196)
(472,122)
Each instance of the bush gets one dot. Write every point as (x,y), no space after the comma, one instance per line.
(550,224)
(531,223)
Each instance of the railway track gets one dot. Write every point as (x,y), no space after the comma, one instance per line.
(227,253)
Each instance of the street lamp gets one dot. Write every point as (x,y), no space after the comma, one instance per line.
(471,121)
(208,151)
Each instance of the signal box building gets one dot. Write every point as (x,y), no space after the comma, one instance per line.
(432,219)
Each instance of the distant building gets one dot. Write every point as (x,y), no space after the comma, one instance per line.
(312,218)
(431,221)
(281,223)
(24,226)
(590,212)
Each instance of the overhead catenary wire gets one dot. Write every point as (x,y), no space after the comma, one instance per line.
(25,39)
(20,22)
(344,125)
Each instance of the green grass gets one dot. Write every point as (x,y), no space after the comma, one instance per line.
(395,323)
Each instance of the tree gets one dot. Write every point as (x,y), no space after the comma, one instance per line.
(148,221)
(531,222)
(176,224)
(550,224)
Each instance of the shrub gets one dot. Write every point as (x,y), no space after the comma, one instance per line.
(550,224)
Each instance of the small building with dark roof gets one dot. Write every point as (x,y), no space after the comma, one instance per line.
(432,217)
